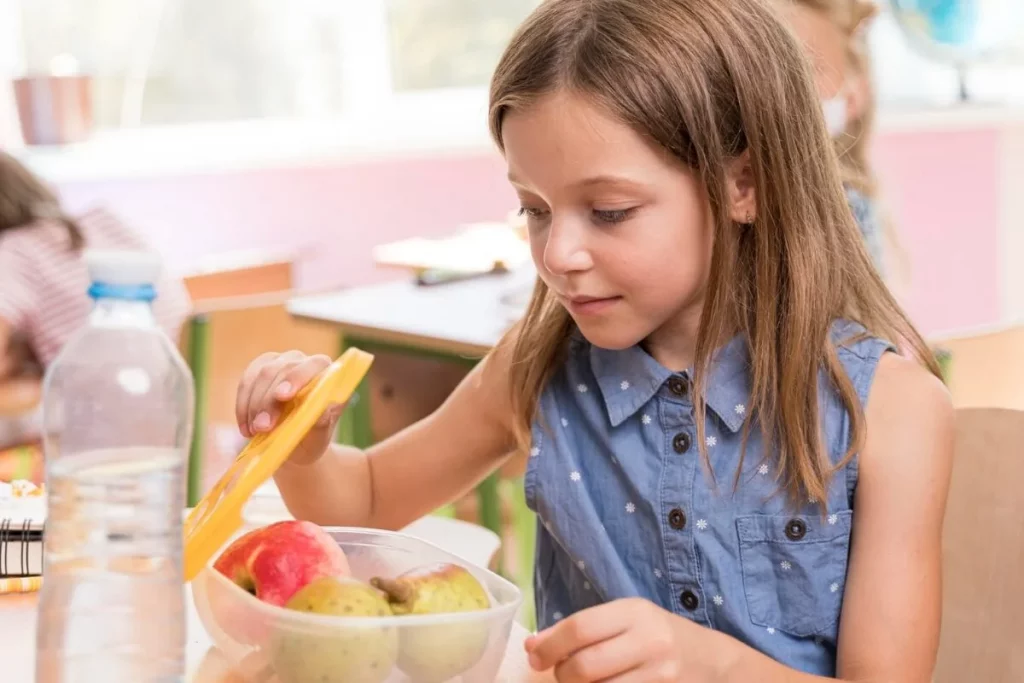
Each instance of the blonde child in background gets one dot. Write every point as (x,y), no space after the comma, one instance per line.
(738,476)
(835,34)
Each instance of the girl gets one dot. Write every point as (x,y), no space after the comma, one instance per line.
(703,378)
(834,33)
(44,300)
(43,280)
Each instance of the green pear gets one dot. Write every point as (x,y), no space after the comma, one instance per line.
(432,653)
(336,654)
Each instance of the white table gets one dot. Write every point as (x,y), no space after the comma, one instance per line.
(205,663)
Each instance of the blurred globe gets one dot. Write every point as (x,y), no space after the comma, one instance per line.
(960,31)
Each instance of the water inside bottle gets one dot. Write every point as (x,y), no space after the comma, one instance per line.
(113,588)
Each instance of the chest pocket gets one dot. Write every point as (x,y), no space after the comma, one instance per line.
(794,570)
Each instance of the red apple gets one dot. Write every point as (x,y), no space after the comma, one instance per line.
(275,561)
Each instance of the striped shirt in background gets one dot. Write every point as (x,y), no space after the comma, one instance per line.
(44,283)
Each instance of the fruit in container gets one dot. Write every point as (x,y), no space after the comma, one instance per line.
(351,653)
(275,561)
(431,653)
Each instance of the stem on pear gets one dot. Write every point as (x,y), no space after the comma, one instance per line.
(397,591)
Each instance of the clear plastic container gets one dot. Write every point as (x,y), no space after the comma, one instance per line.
(465,647)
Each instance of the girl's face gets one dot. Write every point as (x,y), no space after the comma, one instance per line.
(620,231)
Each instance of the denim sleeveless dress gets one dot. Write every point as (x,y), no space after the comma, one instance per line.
(625,507)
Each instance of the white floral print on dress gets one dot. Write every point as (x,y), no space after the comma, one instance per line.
(534,452)
(762,470)
(771,631)
(657,573)
(834,587)
(702,524)
(833,518)
(630,508)
(624,385)
(786,566)
(582,388)
(565,423)
(740,409)
(582,565)
(646,419)
(718,600)
(711,441)
(575,475)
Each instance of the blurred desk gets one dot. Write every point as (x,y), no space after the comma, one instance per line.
(460,321)
(457,322)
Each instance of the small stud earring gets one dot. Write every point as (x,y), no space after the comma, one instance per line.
(750,218)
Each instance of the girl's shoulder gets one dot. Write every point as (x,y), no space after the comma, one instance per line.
(860,353)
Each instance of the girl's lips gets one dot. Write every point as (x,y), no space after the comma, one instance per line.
(583,305)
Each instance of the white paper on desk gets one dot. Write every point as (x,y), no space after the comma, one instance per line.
(478,248)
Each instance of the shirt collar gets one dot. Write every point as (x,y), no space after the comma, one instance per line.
(629,378)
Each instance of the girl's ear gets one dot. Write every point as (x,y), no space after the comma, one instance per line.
(740,190)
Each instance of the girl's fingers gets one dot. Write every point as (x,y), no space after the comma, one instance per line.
(264,408)
(243,395)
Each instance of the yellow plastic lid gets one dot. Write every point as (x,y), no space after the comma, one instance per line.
(219,514)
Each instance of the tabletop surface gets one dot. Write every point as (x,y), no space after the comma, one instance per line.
(204,662)
(460,317)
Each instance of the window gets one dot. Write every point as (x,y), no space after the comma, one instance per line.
(449,43)
(190,61)
(321,77)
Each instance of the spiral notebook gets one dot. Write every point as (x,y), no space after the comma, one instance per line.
(21,548)
(22,520)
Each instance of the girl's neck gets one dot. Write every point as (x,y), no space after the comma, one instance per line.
(674,343)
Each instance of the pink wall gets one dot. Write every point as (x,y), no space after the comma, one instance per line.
(333,215)
(943,190)
(941,187)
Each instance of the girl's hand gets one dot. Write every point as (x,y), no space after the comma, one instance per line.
(624,641)
(270,381)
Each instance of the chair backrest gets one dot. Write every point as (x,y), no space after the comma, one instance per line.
(983,554)
(986,368)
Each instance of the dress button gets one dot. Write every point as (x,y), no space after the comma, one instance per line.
(689,600)
(681,442)
(795,529)
(677,519)
(678,386)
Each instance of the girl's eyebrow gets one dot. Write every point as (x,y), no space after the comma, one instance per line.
(591,181)
(606,179)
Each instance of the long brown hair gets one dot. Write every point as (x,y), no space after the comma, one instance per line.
(709,80)
(26,200)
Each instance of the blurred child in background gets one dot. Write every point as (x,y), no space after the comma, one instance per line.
(43,288)
(834,32)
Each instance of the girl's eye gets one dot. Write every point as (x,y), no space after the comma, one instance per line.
(532,213)
(612,216)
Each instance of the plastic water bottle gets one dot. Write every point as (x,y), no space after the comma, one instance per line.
(117,418)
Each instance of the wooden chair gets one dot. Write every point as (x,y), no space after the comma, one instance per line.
(983,553)
(985,367)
